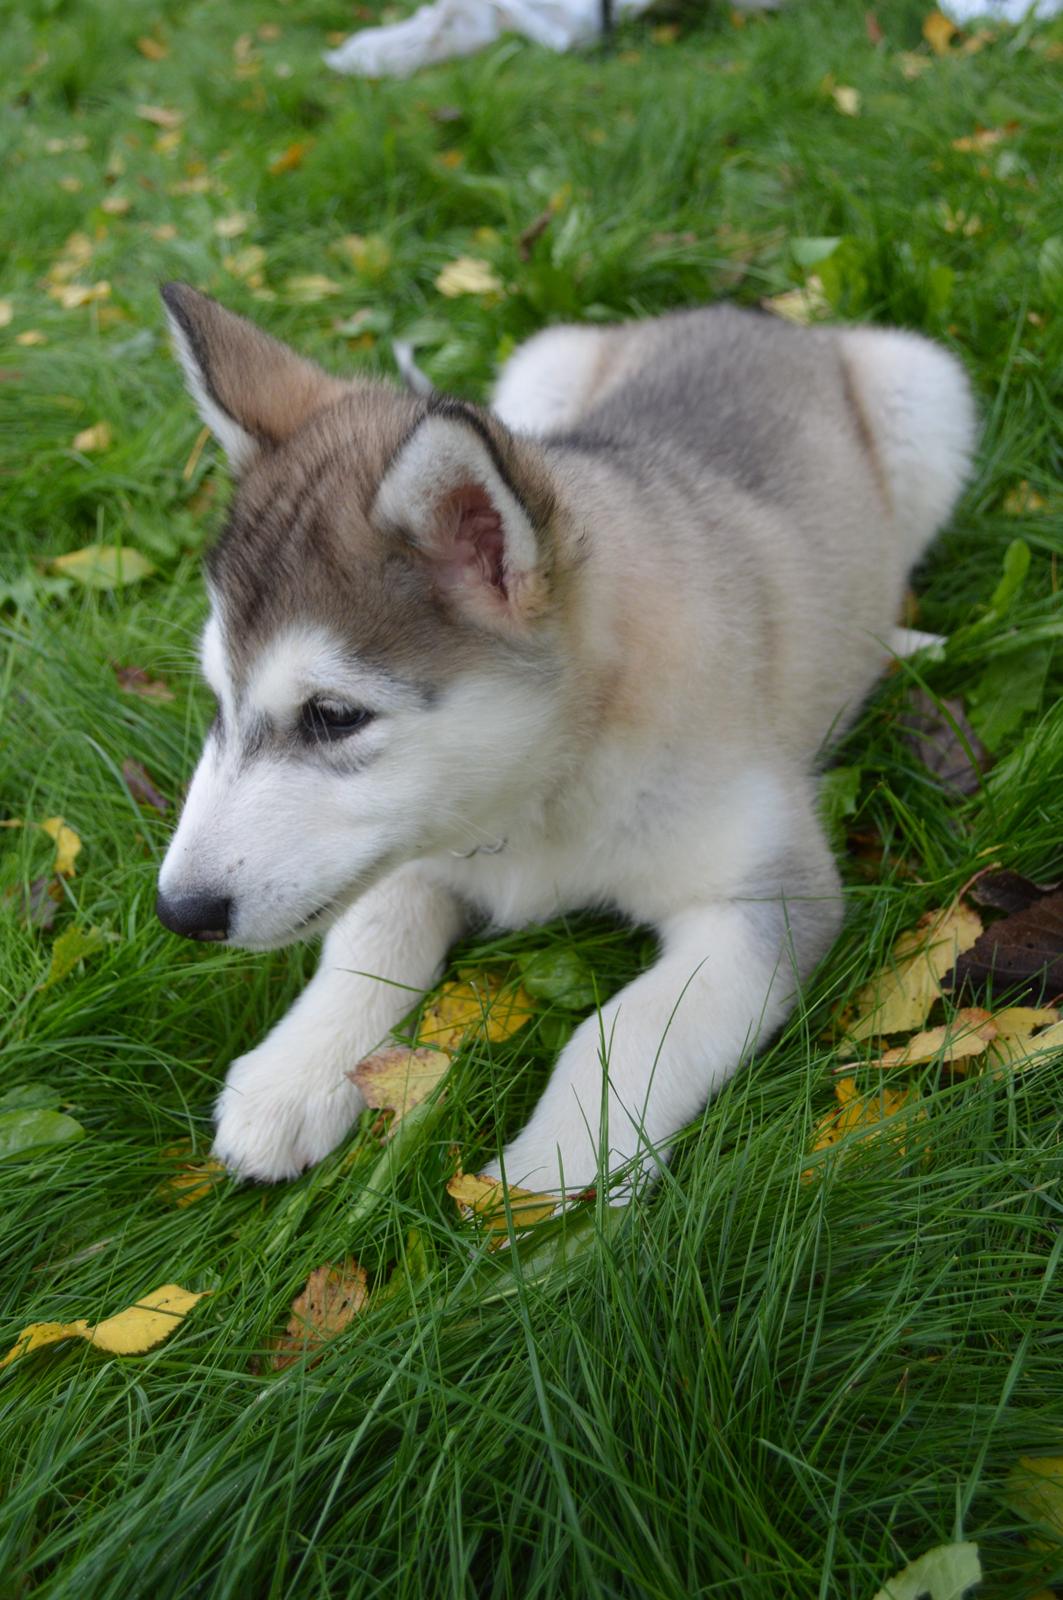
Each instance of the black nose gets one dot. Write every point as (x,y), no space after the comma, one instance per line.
(197,916)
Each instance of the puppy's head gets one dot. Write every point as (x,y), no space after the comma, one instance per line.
(382,643)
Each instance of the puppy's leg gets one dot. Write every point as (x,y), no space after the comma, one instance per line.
(726,978)
(289,1102)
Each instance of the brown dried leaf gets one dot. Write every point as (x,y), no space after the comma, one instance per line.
(141,786)
(1022,953)
(984,138)
(899,997)
(969,1033)
(39,901)
(291,158)
(397,1079)
(134,680)
(945,742)
(1008,891)
(161,116)
(152,49)
(873,28)
(332,1298)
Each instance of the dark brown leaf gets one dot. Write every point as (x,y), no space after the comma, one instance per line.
(1008,891)
(141,786)
(533,231)
(38,901)
(1021,954)
(943,739)
(873,27)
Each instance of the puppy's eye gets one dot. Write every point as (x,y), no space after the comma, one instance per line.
(328,719)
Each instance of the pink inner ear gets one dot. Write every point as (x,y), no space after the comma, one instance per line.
(475,541)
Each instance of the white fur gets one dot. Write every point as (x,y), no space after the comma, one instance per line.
(548,381)
(239,445)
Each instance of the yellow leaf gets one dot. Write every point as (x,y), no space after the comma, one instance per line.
(116,205)
(400,1078)
(938,32)
(72,295)
(291,158)
(804,304)
(71,185)
(164,232)
(308,287)
(103,566)
(193,1180)
(7,311)
(369,255)
(1018,1051)
(968,1034)
(1035,1487)
(478,1007)
(161,116)
(332,1297)
(846,99)
(133,1331)
(1022,501)
(245,263)
(169,142)
(862,1114)
(485,1198)
(913,65)
(451,159)
(98,437)
(231,226)
(1018,1022)
(152,49)
(67,845)
(466,275)
(32,336)
(900,996)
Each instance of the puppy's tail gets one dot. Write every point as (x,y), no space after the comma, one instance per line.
(919,417)
(410,373)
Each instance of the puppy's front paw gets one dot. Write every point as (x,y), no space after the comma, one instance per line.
(274,1118)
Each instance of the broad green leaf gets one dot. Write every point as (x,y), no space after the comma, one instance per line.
(21,1131)
(104,566)
(945,1573)
(939,282)
(30,1097)
(70,948)
(1016,566)
(560,975)
(839,794)
(809,252)
(1010,689)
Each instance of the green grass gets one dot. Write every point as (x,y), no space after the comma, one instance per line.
(749,1384)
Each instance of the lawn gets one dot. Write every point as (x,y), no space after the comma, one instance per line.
(777,1375)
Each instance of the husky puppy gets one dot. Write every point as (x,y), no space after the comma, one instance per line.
(583,649)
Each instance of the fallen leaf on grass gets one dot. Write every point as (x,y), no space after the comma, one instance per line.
(1022,501)
(1035,1488)
(942,737)
(72,295)
(1022,1039)
(72,946)
(39,901)
(939,32)
(308,287)
(160,116)
(7,312)
(193,1180)
(984,138)
(30,337)
(142,786)
(152,49)
(864,1114)
(67,845)
(485,1199)
(945,1573)
(99,437)
(291,158)
(33,1128)
(133,1331)
(1004,890)
(913,65)
(103,566)
(899,997)
(969,1033)
(116,205)
(873,28)
(479,1005)
(804,304)
(397,1079)
(232,226)
(369,254)
(134,680)
(467,275)
(846,99)
(332,1298)
(1023,952)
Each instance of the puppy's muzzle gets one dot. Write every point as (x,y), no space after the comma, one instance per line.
(195,916)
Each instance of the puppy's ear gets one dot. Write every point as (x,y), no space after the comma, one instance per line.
(476,502)
(251,390)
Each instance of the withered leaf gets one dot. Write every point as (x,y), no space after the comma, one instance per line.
(479,1007)
(142,787)
(140,1327)
(486,1198)
(38,901)
(333,1296)
(969,1033)
(1023,953)
(943,739)
(1008,891)
(398,1078)
(135,680)
(899,998)
(862,1114)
